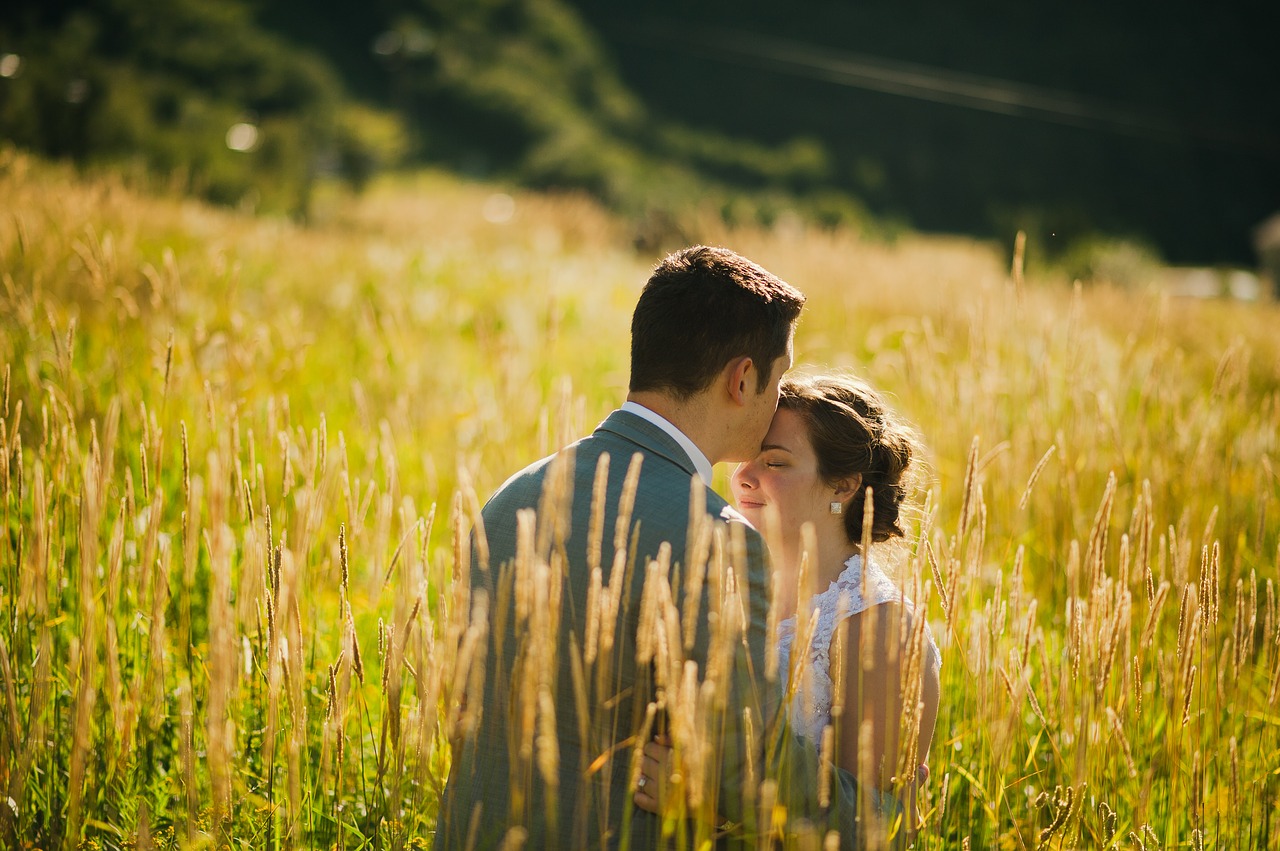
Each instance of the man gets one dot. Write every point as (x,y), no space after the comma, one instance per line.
(545,759)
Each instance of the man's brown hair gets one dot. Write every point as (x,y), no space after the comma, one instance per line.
(701,308)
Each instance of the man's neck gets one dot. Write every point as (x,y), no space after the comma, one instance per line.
(688,416)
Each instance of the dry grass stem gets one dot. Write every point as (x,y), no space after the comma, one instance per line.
(189,575)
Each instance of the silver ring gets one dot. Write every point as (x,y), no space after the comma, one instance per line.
(640,782)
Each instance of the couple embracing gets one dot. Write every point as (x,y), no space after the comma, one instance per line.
(796,724)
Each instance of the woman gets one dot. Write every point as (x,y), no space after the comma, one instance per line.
(833,441)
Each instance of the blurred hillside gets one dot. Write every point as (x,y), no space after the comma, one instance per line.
(1157,121)
(194,95)
(1157,124)
(248,103)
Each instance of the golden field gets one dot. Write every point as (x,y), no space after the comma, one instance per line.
(238,456)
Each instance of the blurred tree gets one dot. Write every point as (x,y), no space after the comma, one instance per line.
(189,88)
(523,89)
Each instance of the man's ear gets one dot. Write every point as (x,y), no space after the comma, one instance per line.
(739,379)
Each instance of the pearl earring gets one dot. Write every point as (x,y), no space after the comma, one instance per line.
(837,507)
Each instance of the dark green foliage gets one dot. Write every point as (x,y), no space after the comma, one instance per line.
(520,90)
(1178,141)
(667,110)
(161,85)
(524,90)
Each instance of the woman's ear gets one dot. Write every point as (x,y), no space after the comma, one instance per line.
(848,486)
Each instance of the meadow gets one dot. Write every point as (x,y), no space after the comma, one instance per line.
(239,459)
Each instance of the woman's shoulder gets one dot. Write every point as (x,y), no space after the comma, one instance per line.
(862,585)
(871,597)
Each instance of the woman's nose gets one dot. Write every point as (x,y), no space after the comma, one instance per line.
(743,477)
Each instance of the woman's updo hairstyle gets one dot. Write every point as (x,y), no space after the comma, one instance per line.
(852,431)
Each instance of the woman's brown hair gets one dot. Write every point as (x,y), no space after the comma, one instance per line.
(853,432)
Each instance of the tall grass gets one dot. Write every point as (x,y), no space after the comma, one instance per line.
(240,461)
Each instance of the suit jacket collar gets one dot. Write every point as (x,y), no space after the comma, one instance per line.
(648,437)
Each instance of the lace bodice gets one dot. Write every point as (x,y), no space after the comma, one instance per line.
(810,709)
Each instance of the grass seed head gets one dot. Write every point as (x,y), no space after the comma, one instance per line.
(342,554)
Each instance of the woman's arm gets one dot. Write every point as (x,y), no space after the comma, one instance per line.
(869,731)
(930,696)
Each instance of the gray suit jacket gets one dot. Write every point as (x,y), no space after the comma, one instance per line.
(494,786)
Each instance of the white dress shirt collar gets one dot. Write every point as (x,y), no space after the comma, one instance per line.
(700,462)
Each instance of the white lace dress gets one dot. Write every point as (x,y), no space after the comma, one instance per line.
(810,709)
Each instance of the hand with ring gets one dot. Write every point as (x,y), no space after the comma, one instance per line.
(655,768)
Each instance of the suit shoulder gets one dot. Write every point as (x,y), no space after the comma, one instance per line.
(523,486)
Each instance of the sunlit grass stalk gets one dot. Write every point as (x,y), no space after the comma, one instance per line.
(121,591)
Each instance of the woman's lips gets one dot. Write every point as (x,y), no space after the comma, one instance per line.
(747,504)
